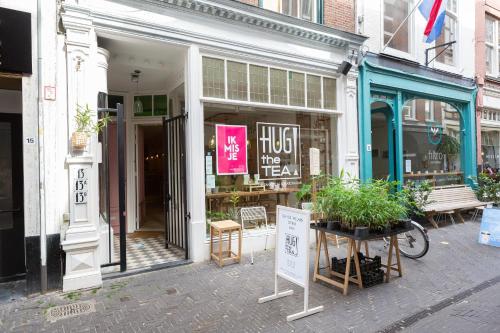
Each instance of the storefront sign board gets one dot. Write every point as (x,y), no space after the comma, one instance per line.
(314,165)
(231,143)
(489,232)
(278,151)
(292,256)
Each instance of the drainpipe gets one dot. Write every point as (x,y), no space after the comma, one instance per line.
(41,155)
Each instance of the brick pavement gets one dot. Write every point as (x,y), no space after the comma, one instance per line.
(204,298)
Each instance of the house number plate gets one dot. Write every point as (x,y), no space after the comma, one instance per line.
(81,186)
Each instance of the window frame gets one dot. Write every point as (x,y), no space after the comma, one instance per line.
(315,11)
(268,104)
(453,15)
(495,45)
(411,33)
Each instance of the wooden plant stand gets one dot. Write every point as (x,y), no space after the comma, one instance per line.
(220,228)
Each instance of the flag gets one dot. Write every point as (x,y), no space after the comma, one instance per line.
(434,11)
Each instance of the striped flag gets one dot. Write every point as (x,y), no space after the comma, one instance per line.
(434,11)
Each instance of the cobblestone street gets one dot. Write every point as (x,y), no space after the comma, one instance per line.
(454,288)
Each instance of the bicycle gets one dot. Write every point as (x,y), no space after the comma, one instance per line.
(414,243)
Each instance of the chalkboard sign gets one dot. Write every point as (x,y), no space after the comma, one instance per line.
(489,233)
(15,41)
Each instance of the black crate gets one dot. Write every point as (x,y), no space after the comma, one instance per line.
(366,264)
(372,278)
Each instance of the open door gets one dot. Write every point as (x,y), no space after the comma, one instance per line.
(174,185)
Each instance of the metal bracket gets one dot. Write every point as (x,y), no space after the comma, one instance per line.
(445,45)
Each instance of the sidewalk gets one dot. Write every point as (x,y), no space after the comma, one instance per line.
(204,298)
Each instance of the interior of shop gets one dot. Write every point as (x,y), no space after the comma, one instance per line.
(147,77)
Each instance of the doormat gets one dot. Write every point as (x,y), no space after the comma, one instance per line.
(70,310)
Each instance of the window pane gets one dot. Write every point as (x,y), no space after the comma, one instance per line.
(448,35)
(452,6)
(213,77)
(307,6)
(490,28)
(237,80)
(432,148)
(147,105)
(489,56)
(289,7)
(395,11)
(313,91)
(258,84)
(490,147)
(278,86)
(329,93)
(297,88)
(160,105)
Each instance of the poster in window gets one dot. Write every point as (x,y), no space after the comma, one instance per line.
(231,143)
(278,151)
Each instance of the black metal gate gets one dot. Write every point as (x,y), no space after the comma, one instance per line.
(174,183)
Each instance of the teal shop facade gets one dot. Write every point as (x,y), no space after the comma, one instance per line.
(415,122)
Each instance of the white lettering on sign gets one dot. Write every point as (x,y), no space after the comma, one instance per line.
(232,147)
(81,186)
(278,151)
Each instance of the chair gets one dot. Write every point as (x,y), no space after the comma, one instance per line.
(253,215)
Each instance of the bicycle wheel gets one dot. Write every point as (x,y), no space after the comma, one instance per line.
(414,243)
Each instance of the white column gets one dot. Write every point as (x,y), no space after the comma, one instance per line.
(351,163)
(195,155)
(81,239)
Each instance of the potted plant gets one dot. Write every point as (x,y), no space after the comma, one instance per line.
(303,195)
(85,126)
(234,199)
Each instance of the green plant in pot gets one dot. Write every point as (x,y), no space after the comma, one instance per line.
(304,194)
(331,199)
(85,126)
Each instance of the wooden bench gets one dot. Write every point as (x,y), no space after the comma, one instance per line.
(451,200)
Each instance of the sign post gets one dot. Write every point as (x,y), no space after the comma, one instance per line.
(292,256)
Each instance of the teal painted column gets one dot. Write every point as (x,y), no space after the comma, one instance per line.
(390,143)
(469,157)
(365,126)
(398,144)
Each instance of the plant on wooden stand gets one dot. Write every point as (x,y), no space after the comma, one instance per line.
(85,126)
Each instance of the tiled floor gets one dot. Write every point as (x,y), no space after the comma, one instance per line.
(146,249)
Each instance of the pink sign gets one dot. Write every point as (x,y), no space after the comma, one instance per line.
(231,142)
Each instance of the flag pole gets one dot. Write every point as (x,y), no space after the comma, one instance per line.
(403,22)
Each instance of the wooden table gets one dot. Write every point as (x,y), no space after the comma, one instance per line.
(243,194)
(352,250)
(222,227)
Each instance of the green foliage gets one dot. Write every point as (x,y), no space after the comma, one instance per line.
(448,145)
(375,204)
(217,216)
(304,193)
(234,199)
(416,197)
(85,123)
(488,188)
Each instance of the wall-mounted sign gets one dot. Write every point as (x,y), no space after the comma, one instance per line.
(434,133)
(231,143)
(15,41)
(489,232)
(81,186)
(278,151)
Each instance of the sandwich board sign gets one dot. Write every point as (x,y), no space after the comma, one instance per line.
(489,232)
(292,256)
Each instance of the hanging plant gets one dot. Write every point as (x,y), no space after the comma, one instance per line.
(85,126)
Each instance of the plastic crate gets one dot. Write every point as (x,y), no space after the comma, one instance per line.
(366,264)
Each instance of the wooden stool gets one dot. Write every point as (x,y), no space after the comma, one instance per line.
(221,227)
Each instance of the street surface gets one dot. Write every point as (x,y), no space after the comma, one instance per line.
(454,288)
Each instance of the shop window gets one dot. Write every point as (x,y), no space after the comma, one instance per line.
(258,84)
(278,87)
(449,34)
(296,82)
(329,93)
(432,147)
(237,79)
(395,12)
(213,77)
(409,110)
(152,105)
(490,147)
(314,91)
(266,159)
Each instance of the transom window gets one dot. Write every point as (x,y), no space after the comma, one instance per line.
(395,12)
(303,9)
(449,34)
(492,43)
(239,81)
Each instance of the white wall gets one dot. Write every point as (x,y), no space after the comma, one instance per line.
(372,26)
